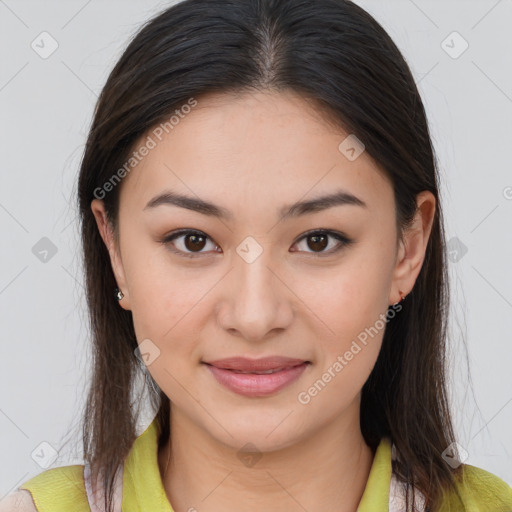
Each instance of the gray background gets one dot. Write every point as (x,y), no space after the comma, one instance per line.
(46,107)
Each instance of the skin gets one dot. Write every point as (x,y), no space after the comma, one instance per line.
(253,154)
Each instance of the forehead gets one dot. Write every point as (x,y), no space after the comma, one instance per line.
(254,149)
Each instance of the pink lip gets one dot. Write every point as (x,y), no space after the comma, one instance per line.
(257,385)
(247,365)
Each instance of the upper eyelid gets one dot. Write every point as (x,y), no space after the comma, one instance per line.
(175,234)
(345,240)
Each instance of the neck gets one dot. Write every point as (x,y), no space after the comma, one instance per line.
(327,471)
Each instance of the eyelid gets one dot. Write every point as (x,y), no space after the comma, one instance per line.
(343,240)
(169,238)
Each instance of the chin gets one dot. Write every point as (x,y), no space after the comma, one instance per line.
(268,436)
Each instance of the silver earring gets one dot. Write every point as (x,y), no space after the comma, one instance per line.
(119,294)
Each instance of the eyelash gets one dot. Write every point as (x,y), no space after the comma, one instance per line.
(344,241)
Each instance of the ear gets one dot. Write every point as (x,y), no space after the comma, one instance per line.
(411,252)
(105,229)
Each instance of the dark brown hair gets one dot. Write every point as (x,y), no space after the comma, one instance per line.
(337,56)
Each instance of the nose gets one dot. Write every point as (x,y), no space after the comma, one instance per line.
(257,302)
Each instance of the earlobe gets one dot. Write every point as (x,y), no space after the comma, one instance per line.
(412,250)
(105,230)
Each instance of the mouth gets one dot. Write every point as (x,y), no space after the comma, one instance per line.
(263,365)
(259,372)
(257,378)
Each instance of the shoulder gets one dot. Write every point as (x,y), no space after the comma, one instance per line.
(18,501)
(55,489)
(484,490)
(68,477)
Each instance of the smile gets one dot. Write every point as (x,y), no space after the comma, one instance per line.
(257,383)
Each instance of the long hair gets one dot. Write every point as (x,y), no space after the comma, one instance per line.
(338,57)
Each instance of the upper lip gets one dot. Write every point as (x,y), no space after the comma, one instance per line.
(265,363)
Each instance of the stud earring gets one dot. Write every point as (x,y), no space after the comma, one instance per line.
(119,294)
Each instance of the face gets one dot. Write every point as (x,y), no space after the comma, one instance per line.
(313,285)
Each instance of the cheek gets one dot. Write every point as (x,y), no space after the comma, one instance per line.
(349,306)
(167,309)
(349,298)
(348,340)
(160,293)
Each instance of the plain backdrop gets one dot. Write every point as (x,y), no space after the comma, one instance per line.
(459,53)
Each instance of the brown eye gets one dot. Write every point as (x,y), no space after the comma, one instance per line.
(189,243)
(194,242)
(317,241)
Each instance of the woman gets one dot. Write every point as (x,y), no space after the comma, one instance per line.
(263,235)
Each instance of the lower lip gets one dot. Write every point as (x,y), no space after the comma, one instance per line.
(254,385)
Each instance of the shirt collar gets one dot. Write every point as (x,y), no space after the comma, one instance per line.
(143,488)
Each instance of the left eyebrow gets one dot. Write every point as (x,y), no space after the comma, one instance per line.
(338,198)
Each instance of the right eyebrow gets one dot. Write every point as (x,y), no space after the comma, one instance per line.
(338,198)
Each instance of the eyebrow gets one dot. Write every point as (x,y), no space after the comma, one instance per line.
(338,198)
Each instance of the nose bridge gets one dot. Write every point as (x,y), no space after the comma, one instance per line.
(253,273)
(256,303)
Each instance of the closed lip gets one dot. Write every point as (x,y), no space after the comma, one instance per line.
(266,363)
